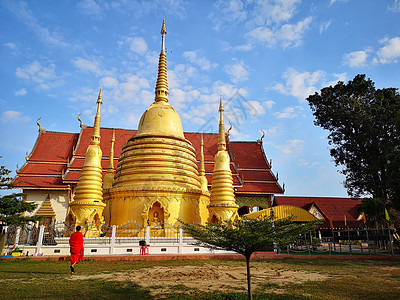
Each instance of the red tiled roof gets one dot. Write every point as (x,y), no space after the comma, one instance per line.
(248,155)
(38,168)
(40,182)
(333,208)
(248,160)
(54,147)
(46,162)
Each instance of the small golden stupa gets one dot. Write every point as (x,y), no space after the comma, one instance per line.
(87,207)
(223,207)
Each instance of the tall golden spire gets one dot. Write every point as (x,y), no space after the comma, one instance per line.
(109,177)
(161,91)
(95,140)
(221,132)
(223,207)
(202,172)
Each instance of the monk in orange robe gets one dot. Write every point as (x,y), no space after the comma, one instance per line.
(76,248)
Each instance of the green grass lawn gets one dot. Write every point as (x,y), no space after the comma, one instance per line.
(348,279)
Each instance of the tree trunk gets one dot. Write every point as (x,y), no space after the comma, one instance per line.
(248,277)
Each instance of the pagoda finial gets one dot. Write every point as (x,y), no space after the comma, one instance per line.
(163,33)
(201,168)
(109,177)
(221,132)
(96,128)
(161,91)
(202,171)
(111,159)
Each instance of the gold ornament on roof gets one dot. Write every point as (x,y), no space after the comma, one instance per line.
(230,128)
(41,130)
(83,126)
(261,139)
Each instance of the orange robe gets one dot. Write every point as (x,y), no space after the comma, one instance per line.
(76,247)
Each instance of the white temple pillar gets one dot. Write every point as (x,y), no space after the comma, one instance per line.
(180,248)
(40,239)
(114,232)
(17,235)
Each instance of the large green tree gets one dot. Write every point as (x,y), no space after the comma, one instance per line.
(12,207)
(246,236)
(364,126)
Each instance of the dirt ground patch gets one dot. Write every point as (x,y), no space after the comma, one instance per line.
(207,278)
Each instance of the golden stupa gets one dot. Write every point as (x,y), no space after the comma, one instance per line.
(157,179)
(223,206)
(87,207)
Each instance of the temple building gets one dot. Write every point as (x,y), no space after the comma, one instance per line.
(162,174)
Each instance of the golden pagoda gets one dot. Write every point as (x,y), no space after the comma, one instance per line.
(87,207)
(157,179)
(223,207)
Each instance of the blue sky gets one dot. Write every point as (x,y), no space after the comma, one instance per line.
(264,57)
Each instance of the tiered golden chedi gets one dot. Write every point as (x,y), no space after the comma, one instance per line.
(87,208)
(223,207)
(157,180)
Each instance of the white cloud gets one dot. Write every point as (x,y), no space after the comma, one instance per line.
(334,1)
(10,45)
(268,104)
(292,146)
(288,112)
(390,52)
(182,97)
(356,58)
(255,108)
(228,12)
(87,66)
(137,45)
(237,72)
(109,82)
(21,92)
(299,85)
(288,35)
(180,75)
(324,26)
(44,76)
(90,8)
(303,162)
(85,94)
(338,77)
(130,88)
(13,116)
(395,7)
(202,62)
(273,131)
(273,12)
